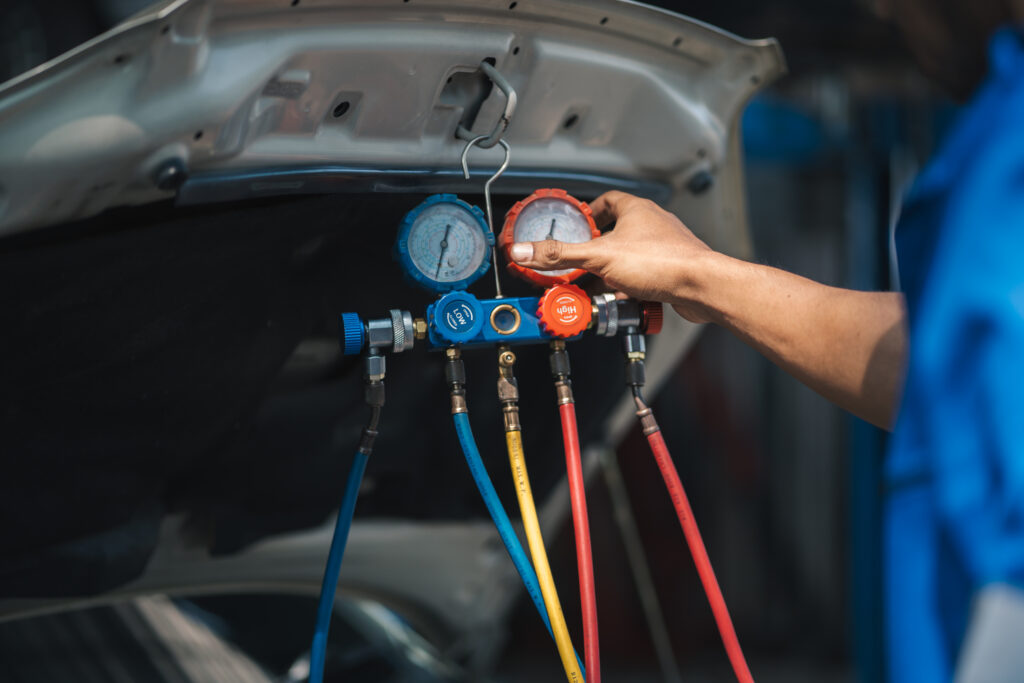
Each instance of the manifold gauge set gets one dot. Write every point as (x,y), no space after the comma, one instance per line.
(444,245)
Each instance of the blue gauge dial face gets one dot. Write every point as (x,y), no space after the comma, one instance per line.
(446,243)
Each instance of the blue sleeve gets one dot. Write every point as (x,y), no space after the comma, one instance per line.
(965,384)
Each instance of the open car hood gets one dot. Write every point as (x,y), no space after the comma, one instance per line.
(209,101)
(235,99)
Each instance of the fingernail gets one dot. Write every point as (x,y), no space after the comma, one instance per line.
(523,251)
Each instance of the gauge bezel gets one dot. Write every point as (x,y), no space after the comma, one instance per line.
(507,237)
(405,260)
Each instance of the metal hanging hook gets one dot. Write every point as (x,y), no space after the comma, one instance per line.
(487,198)
(511,100)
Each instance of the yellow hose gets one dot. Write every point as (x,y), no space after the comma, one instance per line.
(514,441)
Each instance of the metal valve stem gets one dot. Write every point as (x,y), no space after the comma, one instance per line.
(508,389)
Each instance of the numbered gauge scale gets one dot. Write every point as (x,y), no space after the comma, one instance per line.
(444,244)
(548,214)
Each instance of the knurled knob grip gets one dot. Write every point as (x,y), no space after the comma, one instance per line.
(564,311)
(351,334)
(652,316)
(457,317)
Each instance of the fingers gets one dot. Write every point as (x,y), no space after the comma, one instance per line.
(552,254)
(609,206)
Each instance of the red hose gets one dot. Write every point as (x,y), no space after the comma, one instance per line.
(700,557)
(584,560)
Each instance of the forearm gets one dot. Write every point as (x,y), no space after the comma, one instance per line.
(849,346)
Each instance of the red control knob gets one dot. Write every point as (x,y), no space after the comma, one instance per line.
(652,315)
(564,311)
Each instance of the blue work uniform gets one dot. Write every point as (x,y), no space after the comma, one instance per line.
(954,518)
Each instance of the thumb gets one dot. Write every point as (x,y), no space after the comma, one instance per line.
(551,254)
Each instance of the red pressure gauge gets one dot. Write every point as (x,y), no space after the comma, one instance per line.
(547,214)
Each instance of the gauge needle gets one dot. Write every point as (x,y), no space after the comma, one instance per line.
(551,231)
(444,247)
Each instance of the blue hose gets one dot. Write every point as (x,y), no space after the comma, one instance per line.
(501,520)
(326,606)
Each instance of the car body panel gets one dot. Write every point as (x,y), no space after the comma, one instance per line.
(239,97)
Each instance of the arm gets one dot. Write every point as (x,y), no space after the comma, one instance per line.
(848,346)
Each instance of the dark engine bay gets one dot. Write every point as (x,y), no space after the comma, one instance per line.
(166,360)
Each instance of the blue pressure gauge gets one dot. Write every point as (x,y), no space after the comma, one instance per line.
(444,244)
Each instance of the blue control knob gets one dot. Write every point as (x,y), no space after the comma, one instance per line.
(351,334)
(457,317)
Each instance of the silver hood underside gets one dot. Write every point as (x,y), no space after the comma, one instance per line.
(254,98)
(241,97)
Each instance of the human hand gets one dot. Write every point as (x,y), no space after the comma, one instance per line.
(650,254)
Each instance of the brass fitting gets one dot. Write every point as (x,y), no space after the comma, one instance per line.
(563,391)
(419,329)
(459,404)
(510,412)
(508,389)
(559,361)
(636,355)
(647,421)
(455,376)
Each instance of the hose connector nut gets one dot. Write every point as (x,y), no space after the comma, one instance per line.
(647,423)
(459,404)
(373,393)
(633,343)
(402,330)
(455,371)
(605,312)
(375,367)
(563,392)
(635,374)
(559,362)
(510,414)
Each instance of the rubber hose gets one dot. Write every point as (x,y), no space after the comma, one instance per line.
(581,525)
(514,442)
(700,557)
(501,520)
(325,608)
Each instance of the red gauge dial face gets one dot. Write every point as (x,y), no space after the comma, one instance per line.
(547,214)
